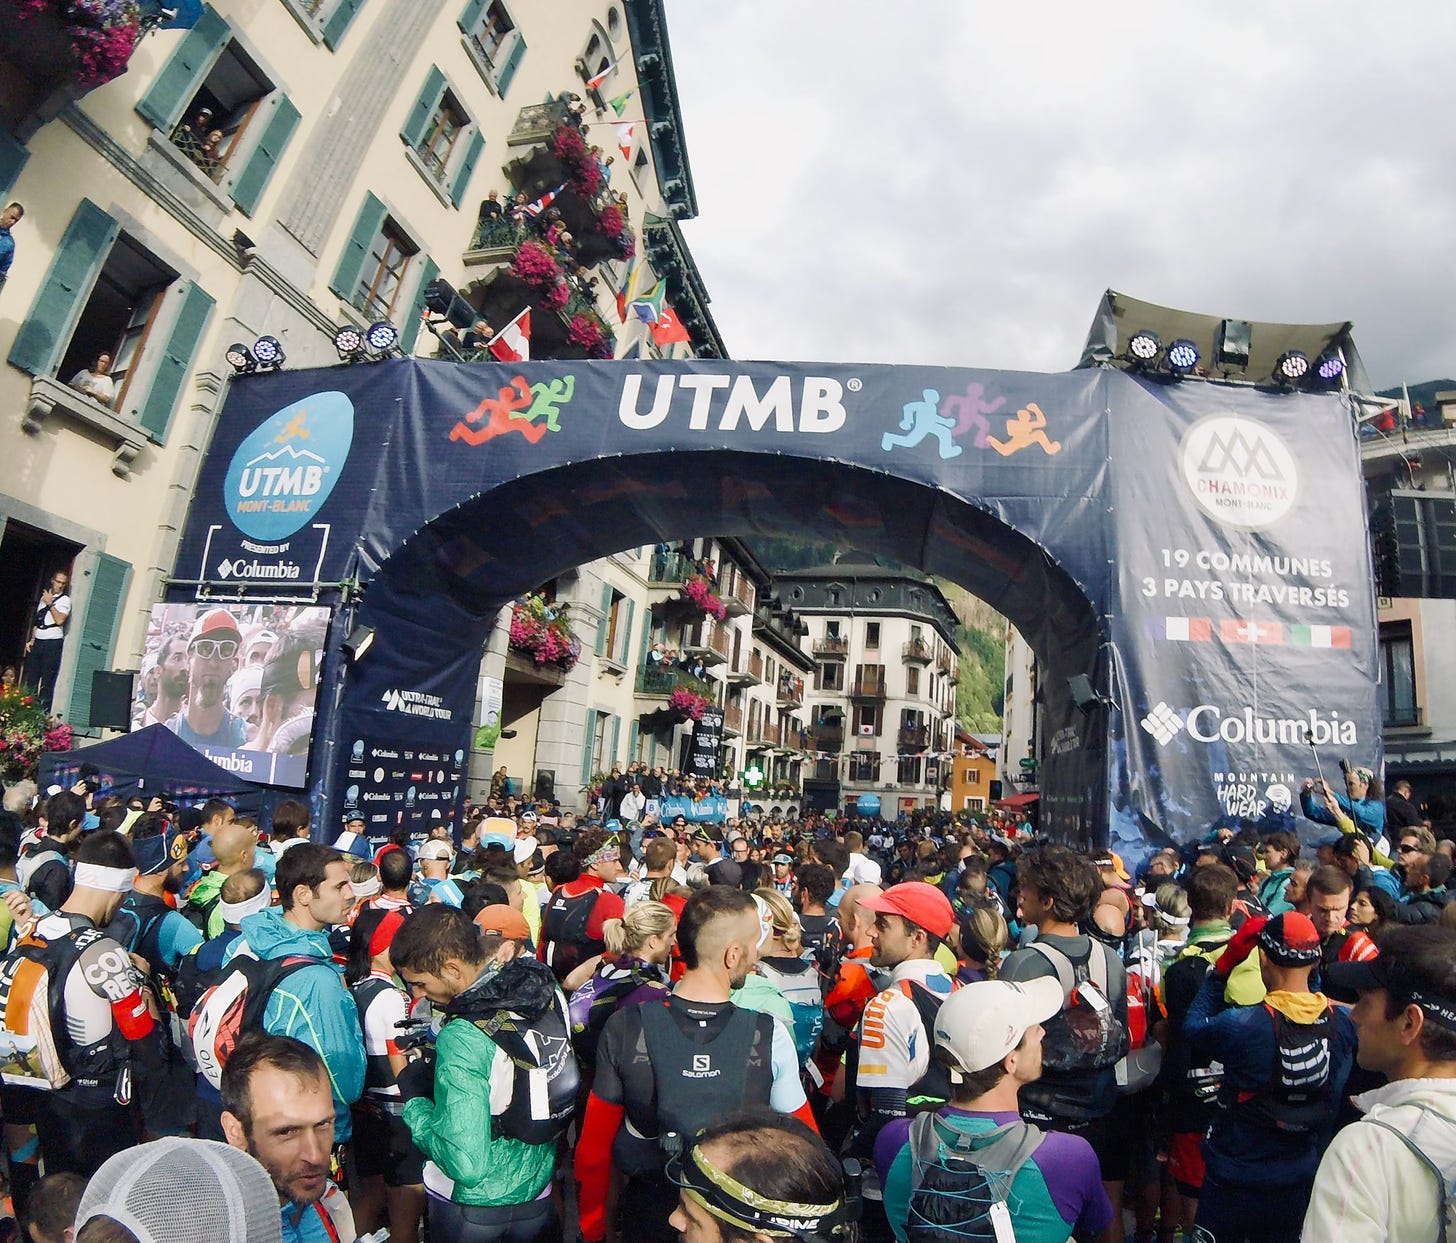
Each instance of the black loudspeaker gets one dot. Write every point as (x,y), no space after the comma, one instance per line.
(111,700)
(545,784)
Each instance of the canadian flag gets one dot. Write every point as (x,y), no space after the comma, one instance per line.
(512,344)
(623,131)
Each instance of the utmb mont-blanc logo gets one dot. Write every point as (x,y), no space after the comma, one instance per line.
(282,474)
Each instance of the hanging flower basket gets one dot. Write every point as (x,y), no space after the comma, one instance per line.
(538,632)
(102,33)
(25,732)
(536,266)
(697,590)
(689,703)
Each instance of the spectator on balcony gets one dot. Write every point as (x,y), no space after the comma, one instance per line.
(491,209)
(657,654)
(519,214)
(479,335)
(9,218)
(95,381)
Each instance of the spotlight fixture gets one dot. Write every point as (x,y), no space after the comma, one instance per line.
(1291,366)
(1232,343)
(1144,346)
(268,352)
(349,342)
(1329,367)
(1182,356)
(240,358)
(382,337)
(357,645)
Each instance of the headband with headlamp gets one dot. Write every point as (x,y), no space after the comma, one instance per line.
(729,1200)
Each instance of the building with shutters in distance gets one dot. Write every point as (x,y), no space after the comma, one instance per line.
(880,705)
(283,169)
(1407,460)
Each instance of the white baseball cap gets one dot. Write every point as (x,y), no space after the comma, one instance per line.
(525,847)
(435,850)
(981,1023)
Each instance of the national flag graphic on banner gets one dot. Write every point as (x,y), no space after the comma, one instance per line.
(1183,629)
(624,294)
(1320,636)
(598,78)
(545,201)
(669,328)
(512,344)
(1231,630)
(624,131)
(619,102)
(649,307)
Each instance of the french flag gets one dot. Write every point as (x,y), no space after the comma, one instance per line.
(512,344)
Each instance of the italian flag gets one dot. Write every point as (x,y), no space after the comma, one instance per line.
(1320,636)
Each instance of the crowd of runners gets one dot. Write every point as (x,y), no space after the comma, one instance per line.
(815,1028)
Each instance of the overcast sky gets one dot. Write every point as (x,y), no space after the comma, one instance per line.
(957,181)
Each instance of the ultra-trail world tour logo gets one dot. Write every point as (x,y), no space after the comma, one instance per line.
(283,473)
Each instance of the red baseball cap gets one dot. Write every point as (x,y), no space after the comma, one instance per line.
(213,624)
(922,904)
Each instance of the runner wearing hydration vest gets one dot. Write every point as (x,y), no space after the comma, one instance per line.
(666,1071)
(571,925)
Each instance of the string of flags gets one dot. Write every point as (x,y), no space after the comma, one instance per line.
(1236,630)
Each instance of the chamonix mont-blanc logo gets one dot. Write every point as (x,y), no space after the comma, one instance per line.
(1209,723)
(282,474)
(1239,471)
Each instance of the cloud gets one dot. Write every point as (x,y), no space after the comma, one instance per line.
(956,182)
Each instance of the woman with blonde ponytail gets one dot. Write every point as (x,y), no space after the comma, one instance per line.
(633,970)
(784,963)
(983,940)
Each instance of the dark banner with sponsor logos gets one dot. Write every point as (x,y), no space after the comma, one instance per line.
(705,750)
(1196,550)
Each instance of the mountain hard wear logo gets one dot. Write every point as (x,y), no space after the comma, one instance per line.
(282,474)
(1239,471)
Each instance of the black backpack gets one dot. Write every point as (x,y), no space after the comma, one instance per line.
(563,929)
(546,1079)
(959,1183)
(1298,1098)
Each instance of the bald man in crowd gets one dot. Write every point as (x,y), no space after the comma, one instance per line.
(234,845)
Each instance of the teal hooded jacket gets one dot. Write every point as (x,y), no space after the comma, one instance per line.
(311,1005)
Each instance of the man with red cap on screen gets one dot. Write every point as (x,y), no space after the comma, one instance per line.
(889,1065)
(212,656)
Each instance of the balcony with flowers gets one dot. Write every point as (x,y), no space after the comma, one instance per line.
(542,273)
(55,51)
(541,640)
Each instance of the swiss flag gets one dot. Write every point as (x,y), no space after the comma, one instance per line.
(512,344)
(669,328)
(1234,631)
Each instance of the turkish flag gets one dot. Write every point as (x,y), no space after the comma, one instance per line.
(669,328)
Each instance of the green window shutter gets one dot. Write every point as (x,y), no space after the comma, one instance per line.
(160,402)
(467,166)
(338,21)
(43,338)
(605,624)
(634,735)
(624,640)
(248,187)
(588,737)
(471,14)
(13,155)
(173,88)
(98,633)
(356,249)
(410,329)
(616,733)
(508,70)
(417,124)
